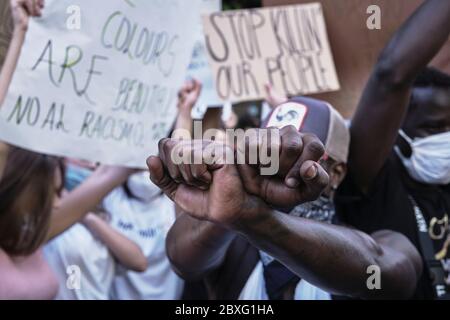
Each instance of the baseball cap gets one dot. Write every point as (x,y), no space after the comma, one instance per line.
(318,117)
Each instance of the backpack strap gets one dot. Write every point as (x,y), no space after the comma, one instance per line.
(433,266)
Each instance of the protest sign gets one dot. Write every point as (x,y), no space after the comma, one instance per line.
(199,67)
(285,46)
(98,80)
(356,47)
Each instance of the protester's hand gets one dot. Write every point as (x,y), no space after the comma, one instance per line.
(299,178)
(212,192)
(93,217)
(88,218)
(273,98)
(221,192)
(22,10)
(188,96)
(86,164)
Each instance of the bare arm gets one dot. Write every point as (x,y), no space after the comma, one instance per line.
(331,257)
(385,99)
(184,121)
(21,11)
(127,252)
(336,258)
(196,247)
(10,63)
(73,207)
(26,277)
(187,98)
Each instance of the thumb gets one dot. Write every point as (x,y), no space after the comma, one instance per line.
(315,178)
(192,201)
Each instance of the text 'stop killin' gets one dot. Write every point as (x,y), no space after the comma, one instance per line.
(286,46)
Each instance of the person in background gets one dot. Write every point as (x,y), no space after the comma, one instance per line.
(31,220)
(28,186)
(27,190)
(21,11)
(399,163)
(77,171)
(82,237)
(273,97)
(143,213)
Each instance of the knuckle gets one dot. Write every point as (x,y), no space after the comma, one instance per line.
(292,146)
(164,147)
(162,142)
(196,173)
(316,147)
(163,183)
(290,129)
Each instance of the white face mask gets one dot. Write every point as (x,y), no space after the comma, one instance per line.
(142,188)
(430,159)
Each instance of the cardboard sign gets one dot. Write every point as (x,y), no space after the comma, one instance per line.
(285,46)
(98,80)
(355,47)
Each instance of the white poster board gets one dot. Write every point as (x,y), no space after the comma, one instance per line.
(98,80)
(199,67)
(286,46)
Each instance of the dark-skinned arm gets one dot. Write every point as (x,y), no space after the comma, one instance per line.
(195,247)
(336,258)
(331,257)
(386,97)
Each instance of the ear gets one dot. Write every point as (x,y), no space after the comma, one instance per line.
(337,174)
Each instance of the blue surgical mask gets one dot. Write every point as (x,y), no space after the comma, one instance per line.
(430,159)
(75,176)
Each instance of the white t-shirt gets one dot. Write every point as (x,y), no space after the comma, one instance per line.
(78,249)
(255,288)
(146,223)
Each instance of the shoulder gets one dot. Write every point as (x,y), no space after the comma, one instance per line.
(27,277)
(387,176)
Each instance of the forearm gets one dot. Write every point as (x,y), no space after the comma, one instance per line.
(10,63)
(184,122)
(123,249)
(417,42)
(387,95)
(85,198)
(330,257)
(196,247)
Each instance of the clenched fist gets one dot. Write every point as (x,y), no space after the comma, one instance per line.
(210,186)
